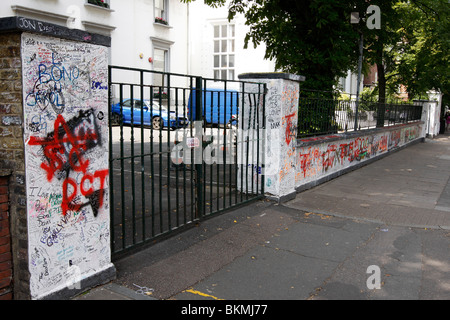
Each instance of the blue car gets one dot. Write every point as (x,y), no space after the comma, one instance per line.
(155,116)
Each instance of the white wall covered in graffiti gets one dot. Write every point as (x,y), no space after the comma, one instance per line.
(278,146)
(66,136)
(291,164)
(337,153)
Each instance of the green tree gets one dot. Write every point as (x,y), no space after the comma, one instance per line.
(313,38)
(381,44)
(423,59)
(412,47)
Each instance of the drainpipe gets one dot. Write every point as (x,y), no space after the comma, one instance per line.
(188,37)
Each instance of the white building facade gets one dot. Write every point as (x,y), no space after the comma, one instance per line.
(160,35)
(58,103)
(216,45)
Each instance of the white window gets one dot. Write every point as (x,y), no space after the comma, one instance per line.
(224,51)
(161,61)
(161,12)
(160,64)
(100,3)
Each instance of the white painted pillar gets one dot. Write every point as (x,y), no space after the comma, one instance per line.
(66,143)
(279,138)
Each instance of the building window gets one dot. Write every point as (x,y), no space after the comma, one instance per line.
(100,3)
(224,51)
(161,15)
(160,64)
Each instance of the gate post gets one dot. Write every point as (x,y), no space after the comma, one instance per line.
(199,162)
(54,126)
(280,137)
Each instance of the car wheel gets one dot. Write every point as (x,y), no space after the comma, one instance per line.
(157,123)
(116,119)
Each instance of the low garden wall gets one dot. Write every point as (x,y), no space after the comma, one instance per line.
(321,159)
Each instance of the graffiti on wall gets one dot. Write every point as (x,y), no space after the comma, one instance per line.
(280,136)
(324,158)
(66,154)
(289,100)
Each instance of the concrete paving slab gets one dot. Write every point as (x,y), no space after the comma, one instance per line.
(112,291)
(316,246)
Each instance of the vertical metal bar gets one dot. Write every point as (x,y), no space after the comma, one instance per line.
(252,110)
(133,187)
(111,164)
(142,155)
(184,153)
(193,118)
(236,160)
(204,134)
(152,162)
(247,142)
(224,144)
(241,119)
(230,150)
(122,170)
(199,166)
(211,167)
(217,165)
(161,227)
(169,211)
(176,167)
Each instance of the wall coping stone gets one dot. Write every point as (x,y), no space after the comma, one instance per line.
(305,142)
(272,75)
(23,24)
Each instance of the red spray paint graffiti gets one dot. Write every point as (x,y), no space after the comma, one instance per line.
(314,161)
(64,152)
(290,132)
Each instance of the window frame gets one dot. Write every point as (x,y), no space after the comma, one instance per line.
(224,50)
(107,2)
(163,18)
(157,45)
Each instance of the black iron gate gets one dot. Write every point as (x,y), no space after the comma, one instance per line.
(181,148)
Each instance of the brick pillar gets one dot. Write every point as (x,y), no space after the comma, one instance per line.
(12,164)
(6,270)
(58,216)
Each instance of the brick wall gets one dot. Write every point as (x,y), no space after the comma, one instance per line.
(5,243)
(12,161)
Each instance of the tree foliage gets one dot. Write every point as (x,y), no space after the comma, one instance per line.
(314,38)
(423,56)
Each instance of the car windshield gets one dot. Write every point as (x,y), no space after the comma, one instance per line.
(156,106)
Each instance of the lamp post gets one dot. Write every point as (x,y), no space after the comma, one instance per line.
(358,87)
(373,22)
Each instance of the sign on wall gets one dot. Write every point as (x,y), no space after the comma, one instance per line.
(65,94)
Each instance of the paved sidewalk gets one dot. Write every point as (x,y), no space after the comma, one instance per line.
(407,188)
(393,213)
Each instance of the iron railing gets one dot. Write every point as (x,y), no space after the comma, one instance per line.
(321,116)
(160,126)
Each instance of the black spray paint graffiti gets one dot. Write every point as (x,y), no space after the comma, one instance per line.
(64,152)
